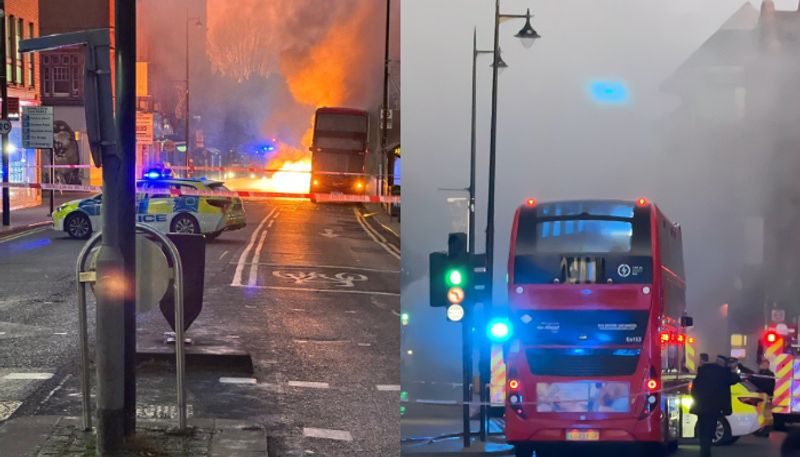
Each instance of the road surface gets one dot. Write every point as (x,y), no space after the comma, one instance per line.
(310,291)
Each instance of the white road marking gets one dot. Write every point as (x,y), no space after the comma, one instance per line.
(309,384)
(2,333)
(328,434)
(388,387)
(226,380)
(365,345)
(270,223)
(7,408)
(338,267)
(237,275)
(29,376)
(298,309)
(60,333)
(303,289)
(301,341)
(377,237)
(351,311)
(329,233)
(257,255)
(223,255)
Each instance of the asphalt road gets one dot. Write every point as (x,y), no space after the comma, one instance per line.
(306,289)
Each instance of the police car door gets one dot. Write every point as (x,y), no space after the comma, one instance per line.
(154,206)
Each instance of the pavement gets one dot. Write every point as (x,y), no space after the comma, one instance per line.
(309,292)
(45,436)
(24,219)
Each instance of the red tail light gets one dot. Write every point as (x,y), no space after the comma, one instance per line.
(752,401)
(652,384)
(642,202)
(680,338)
(513,384)
(664,337)
(531,202)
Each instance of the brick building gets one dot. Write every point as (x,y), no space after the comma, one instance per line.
(61,74)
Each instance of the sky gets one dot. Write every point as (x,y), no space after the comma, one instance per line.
(554,141)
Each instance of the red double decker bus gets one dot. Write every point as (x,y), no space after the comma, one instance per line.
(597,306)
(339,150)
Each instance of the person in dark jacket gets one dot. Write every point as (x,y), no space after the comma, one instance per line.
(711,392)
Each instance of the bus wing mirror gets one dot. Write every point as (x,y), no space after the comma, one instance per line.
(687,321)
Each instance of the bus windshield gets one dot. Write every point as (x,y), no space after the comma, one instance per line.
(338,162)
(341,131)
(584,241)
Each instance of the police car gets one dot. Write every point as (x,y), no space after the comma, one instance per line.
(750,415)
(164,203)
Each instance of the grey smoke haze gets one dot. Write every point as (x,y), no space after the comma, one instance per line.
(555,142)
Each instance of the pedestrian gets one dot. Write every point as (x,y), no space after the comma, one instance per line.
(711,394)
(703,358)
(765,379)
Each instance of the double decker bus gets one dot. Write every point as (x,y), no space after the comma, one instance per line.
(339,150)
(597,306)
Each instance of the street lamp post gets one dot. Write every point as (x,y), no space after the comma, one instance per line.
(527,34)
(197,23)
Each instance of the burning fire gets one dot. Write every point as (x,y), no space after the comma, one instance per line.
(336,61)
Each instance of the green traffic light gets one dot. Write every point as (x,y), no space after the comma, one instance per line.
(404,318)
(404,396)
(455,277)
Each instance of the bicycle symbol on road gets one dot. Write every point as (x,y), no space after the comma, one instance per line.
(342,279)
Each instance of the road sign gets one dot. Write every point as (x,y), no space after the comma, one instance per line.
(5,126)
(37,127)
(386,116)
(778,315)
(144,128)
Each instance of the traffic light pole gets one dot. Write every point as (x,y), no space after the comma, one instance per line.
(4,94)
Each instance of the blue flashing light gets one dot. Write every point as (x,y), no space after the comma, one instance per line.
(499,330)
(158,173)
(152,174)
(586,291)
(627,352)
(609,92)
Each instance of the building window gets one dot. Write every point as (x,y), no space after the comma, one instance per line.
(31,60)
(20,62)
(10,26)
(62,75)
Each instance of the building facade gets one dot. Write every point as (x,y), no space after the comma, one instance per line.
(21,22)
(61,74)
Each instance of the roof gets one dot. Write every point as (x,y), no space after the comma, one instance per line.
(341,110)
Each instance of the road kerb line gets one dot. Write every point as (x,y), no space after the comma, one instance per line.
(325,433)
(28,376)
(232,380)
(237,275)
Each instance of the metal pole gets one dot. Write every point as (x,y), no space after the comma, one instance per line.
(187,92)
(83,333)
(4,115)
(52,176)
(485,368)
(125,30)
(385,120)
(180,358)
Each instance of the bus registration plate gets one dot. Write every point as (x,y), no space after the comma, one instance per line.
(583,435)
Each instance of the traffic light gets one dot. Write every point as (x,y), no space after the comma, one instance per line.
(450,277)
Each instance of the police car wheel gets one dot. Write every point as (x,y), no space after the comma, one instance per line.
(184,223)
(78,226)
(722,434)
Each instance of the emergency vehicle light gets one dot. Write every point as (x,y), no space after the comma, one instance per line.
(642,201)
(531,202)
(664,337)
(513,384)
(499,330)
(771,337)
(652,384)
